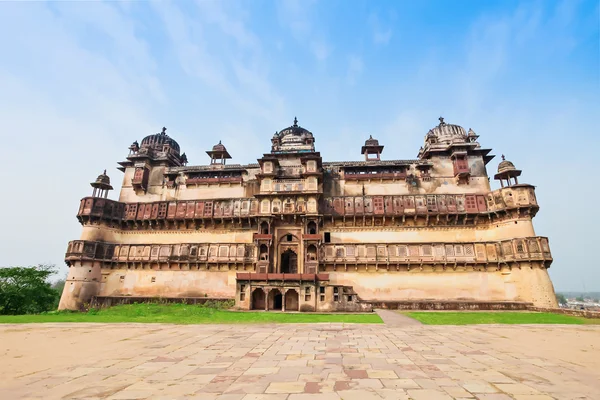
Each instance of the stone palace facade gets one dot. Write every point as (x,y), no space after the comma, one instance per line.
(294,232)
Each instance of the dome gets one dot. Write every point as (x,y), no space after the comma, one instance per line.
(447,132)
(102,182)
(219,147)
(293,139)
(103,178)
(371,142)
(505,165)
(295,130)
(158,140)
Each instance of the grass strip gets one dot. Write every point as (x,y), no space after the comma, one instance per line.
(186,314)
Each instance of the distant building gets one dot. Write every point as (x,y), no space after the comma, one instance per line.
(295,232)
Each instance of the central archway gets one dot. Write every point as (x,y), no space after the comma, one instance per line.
(275,299)
(289,262)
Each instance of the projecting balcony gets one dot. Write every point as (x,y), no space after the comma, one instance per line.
(461,170)
(241,276)
(215,180)
(262,236)
(312,236)
(382,175)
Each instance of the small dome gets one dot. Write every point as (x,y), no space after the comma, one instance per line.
(505,165)
(103,179)
(371,142)
(447,132)
(102,182)
(295,130)
(158,140)
(219,147)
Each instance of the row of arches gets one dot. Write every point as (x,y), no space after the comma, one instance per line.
(311,228)
(276,299)
(289,258)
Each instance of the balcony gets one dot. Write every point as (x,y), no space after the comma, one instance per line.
(214,180)
(461,168)
(281,277)
(262,236)
(312,236)
(381,175)
(526,249)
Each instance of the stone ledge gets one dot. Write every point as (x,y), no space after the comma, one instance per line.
(448,305)
(108,301)
(568,311)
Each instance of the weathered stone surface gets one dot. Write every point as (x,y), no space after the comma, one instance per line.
(135,361)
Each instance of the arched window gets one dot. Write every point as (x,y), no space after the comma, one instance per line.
(311,228)
(311,253)
(264,228)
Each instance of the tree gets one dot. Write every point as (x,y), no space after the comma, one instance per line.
(579,298)
(26,290)
(561,299)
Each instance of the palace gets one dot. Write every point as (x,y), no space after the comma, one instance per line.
(294,232)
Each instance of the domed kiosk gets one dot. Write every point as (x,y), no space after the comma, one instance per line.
(293,139)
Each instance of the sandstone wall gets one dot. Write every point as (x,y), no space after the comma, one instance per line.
(525,284)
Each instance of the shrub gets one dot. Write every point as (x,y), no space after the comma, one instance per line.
(25,290)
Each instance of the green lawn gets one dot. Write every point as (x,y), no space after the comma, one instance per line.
(500,317)
(186,314)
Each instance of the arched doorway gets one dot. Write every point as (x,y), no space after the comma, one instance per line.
(258,299)
(291,300)
(275,299)
(289,262)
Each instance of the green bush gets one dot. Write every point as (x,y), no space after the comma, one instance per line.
(25,290)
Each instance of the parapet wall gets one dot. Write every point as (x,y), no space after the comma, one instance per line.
(567,311)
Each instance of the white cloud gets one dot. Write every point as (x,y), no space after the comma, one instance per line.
(320,50)
(381,34)
(298,16)
(355,68)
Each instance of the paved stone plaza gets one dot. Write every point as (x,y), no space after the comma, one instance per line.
(294,362)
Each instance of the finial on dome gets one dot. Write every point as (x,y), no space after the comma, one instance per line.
(219,142)
(295,121)
(104,173)
(370,136)
(441,120)
(164,131)
(503,158)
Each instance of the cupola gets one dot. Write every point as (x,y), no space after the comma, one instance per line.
(101,186)
(218,154)
(507,173)
(372,150)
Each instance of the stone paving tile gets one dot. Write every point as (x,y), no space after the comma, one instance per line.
(299,361)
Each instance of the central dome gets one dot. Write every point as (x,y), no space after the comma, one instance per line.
(295,129)
(293,139)
(447,132)
(158,140)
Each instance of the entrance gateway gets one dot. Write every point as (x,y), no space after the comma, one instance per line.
(295,292)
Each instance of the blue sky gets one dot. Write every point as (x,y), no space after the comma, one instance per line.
(81,81)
